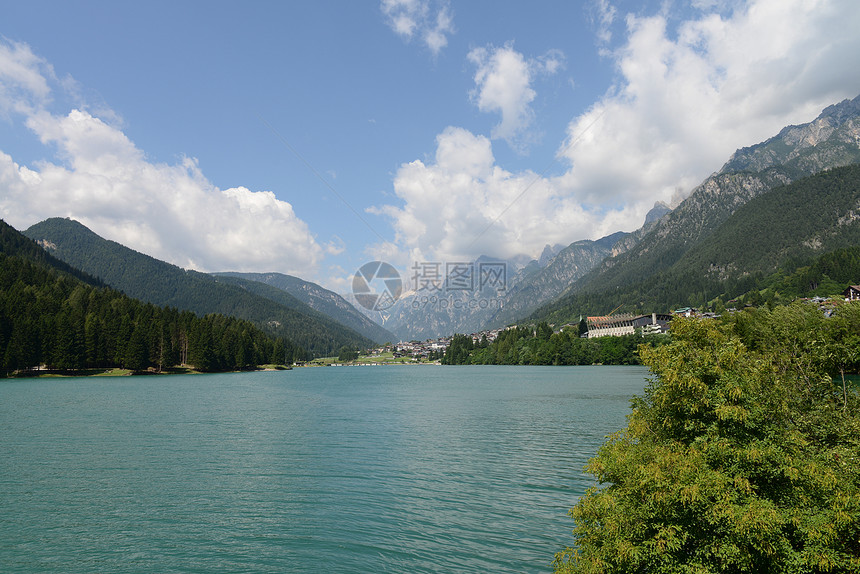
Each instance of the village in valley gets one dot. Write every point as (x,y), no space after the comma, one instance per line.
(431,351)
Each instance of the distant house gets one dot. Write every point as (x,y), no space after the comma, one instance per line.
(685,311)
(852,293)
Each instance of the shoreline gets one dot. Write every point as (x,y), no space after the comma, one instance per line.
(119,372)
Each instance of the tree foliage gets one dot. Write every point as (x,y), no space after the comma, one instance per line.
(794,240)
(743,455)
(346,354)
(51,318)
(145,278)
(539,345)
(459,350)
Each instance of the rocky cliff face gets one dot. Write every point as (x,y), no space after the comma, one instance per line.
(429,313)
(830,140)
(629,240)
(570,264)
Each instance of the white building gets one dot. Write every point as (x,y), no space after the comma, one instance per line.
(626,324)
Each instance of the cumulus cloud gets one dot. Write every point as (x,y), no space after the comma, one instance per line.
(687,98)
(102,179)
(687,95)
(503,84)
(431,22)
(462,204)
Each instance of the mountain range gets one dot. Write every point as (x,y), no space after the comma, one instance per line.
(153,281)
(676,258)
(437,306)
(773,218)
(316,297)
(667,263)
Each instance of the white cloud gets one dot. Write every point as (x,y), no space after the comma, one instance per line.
(432,23)
(23,82)
(463,204)
(403,15)
(503,84)
(550,63)
(604,18)
(686,97)
(171,212)
(335,246)
(436,35)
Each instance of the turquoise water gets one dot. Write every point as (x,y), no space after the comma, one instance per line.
(350,469)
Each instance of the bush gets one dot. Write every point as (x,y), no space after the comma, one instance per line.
(743,456)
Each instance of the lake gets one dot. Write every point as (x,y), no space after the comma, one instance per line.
(347,469)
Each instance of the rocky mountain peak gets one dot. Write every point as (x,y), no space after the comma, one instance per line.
(830,140)
(846,109)
(659,210)
(548,253)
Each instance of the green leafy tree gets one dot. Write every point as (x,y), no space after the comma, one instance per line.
(347,354)
(136,351)
(543,331)
(739,458)
(459,350)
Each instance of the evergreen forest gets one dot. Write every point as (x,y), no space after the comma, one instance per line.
(539,345)
(145,278)
(56,317)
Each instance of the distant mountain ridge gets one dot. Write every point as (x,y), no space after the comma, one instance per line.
(424,313)
(320,299)
(148,279)
(831,140)
(542,285)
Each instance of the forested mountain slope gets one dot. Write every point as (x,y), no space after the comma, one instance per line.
(314,296)
(148,279)
(831,140)
(786,230)
(50,317)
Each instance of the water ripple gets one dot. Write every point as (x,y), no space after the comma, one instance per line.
(358,470)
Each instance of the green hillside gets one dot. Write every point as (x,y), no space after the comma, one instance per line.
(314,296)
(13,242)
(651,271)
(787,226)
(690,223)
(774,240)
(49,317)
(148,279)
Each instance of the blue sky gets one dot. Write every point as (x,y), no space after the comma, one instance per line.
(311,137)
